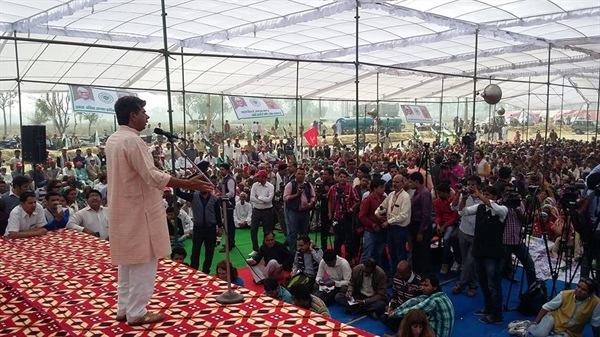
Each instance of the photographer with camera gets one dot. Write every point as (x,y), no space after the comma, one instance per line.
(452,170)
(299,198)
(465,235)
(488,250)
(322,189)
(512,238)
(278,204)
(342,201)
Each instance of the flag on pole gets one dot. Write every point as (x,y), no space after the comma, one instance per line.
(96,139)
(207,144)
(311,136)
(276,123)
(63,141)
(416,134)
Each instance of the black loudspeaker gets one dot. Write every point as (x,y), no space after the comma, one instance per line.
(33,140)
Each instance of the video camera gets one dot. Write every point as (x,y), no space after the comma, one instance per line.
(512,200)
(569,200)
(469,139)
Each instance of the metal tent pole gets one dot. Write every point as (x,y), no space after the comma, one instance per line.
(297,93)
(377,117)
(562,102)
(597,113)
(301,130)
(356,66)
(587,113)
(183,98)
(223,127)
(526,121)
(475,80)
(547,110)
(441,108)
(19,86)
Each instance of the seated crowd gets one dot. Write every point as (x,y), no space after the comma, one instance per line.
(374,219)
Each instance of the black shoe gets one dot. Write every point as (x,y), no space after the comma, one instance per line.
(481,312)
(222,250)
(489,319)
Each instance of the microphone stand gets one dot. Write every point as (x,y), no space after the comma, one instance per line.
(228,297)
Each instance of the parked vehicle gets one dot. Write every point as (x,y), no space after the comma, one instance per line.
(581,126)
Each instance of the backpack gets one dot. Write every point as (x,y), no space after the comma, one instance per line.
(533,299)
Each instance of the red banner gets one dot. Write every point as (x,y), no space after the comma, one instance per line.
(311,136)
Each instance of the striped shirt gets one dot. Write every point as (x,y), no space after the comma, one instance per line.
(403,290)
(512,227)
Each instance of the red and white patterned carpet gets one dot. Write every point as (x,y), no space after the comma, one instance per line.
(63,284)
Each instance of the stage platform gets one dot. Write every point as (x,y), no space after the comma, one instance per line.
(63,284)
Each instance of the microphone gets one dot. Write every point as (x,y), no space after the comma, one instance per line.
(169,135)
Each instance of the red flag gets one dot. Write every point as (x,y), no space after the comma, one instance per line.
(311,136)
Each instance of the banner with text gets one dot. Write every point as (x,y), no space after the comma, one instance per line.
(416,114)
(252,107)
(99,100)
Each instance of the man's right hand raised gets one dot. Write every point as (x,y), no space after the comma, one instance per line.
(197,183)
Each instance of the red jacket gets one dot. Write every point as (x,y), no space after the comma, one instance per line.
(366,215)
(443,212)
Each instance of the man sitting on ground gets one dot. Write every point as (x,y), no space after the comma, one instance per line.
(406,285)
(242,214)
(366,291)
(567,314)
(303,299)
(435,303)
(27,219)
(339,272)
(274,290)
(306,262)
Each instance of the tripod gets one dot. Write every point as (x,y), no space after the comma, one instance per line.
(533,208)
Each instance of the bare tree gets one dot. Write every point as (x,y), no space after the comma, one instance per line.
(198,107)
(6,100)
(91,117)
(55,106)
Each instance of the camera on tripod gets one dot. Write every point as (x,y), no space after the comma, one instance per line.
(469,139)
(569,200)
(512,200)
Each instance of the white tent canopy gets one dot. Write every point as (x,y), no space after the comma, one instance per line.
(408,45)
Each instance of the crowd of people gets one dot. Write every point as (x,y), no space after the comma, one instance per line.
(373,217)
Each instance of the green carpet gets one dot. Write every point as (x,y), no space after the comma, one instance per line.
(238,255)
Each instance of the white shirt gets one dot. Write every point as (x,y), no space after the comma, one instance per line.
(242,213)
(242,159)
(188,224)
(398,208)
(340,273)
(265,195)
(90,219)
(20,221)
(68,172)
(228,151)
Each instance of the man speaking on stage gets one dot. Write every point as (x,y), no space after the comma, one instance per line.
(137,232)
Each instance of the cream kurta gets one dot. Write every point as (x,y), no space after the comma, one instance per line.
(136,215)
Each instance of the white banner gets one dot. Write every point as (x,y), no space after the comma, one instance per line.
(416,114)
(252,107)
(91,99)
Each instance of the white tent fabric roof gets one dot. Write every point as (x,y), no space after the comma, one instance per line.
(396,38)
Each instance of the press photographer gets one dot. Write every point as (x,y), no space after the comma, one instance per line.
(322,190)
(513,238)
(452,171)
(299,198)
(342,201)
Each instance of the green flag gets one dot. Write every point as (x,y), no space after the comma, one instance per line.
(276,123)
(416,134)
(63,142)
